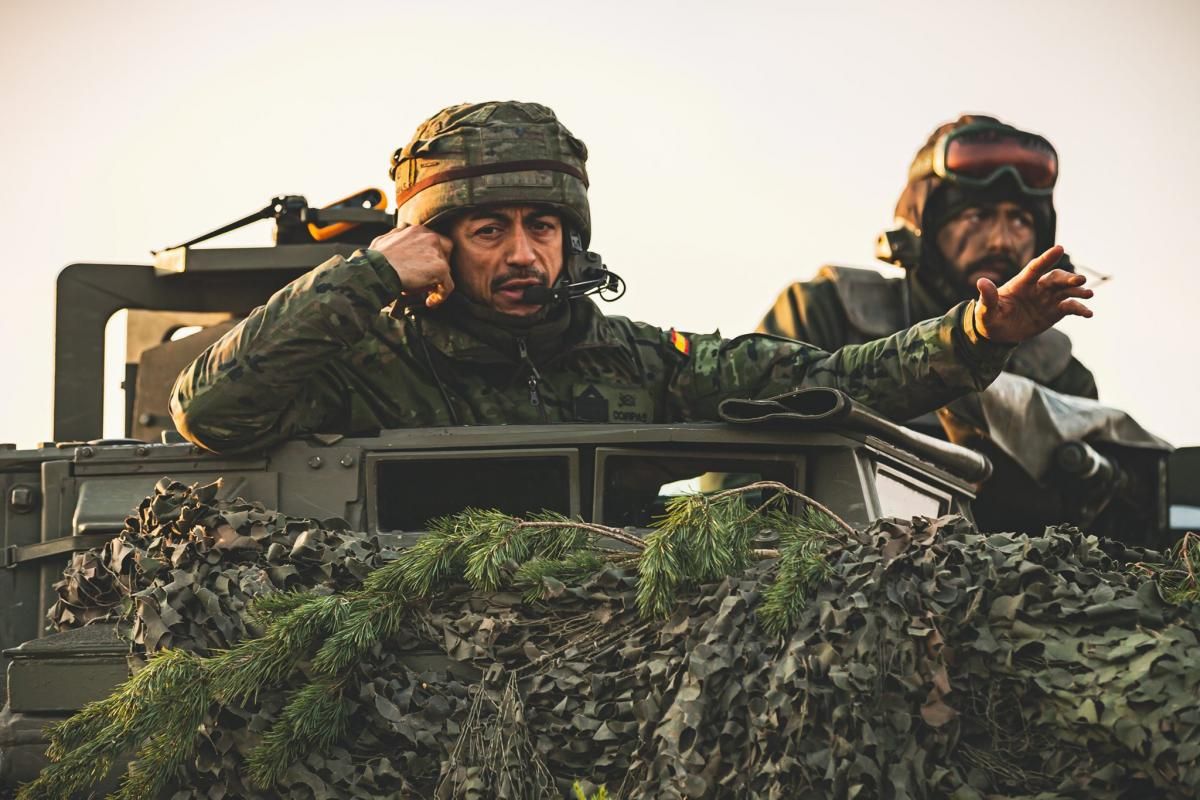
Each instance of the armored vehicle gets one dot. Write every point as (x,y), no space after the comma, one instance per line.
(75,493)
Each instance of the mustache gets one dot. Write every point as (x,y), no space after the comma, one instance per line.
(1004,263)
(530,274)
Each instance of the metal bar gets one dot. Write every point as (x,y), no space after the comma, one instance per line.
(21,553)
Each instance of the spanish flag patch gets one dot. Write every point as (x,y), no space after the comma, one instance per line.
(680,342)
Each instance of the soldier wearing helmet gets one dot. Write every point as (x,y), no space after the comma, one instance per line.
(475,311)
(978,204)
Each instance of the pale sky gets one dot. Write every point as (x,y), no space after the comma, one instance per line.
(735,147)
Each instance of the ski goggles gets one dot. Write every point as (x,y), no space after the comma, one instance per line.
(977,154)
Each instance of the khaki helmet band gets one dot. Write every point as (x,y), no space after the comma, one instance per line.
(476,171)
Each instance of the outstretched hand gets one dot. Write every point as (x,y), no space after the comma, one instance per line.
(1031,302)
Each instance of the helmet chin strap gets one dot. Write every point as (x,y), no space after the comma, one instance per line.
(583,273)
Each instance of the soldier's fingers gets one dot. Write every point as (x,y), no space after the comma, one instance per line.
(1041,264)
(383,240)
(1076,291)
(1074,308)
(1057,278)
(445,282)
(438,294)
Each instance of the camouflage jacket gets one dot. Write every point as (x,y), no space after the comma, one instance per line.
(843,305)
(321,356)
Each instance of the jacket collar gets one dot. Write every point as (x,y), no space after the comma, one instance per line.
(462,331)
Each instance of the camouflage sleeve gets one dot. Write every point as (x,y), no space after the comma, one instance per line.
(271,376)
(902,376)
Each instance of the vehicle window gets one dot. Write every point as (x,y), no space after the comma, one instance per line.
(899,497)
(637,488)
(410,492)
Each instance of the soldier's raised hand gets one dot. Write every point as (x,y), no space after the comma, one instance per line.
(421,258)
(1032,301)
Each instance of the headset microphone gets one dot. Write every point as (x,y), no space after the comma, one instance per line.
(596,280)
(591,274)
(541,296)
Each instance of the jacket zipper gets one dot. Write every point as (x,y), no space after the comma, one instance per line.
(535,395)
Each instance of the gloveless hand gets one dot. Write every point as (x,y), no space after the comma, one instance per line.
(421,258)
(1031,302)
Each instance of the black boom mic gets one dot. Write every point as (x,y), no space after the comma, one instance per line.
(596,279)
(542,296)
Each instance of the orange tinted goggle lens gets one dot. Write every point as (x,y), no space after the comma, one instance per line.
(980,159)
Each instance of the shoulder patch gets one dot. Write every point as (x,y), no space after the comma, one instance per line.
(680,342)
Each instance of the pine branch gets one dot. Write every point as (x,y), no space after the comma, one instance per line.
(785,489)
(698,540)
(168,696)
(266,607)
(315,717)
(660,573)
(805,542)
(541,574)
(435,557)
(616,534)
(368,622)
(240,673)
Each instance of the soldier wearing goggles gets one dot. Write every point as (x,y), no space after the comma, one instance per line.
(978,204)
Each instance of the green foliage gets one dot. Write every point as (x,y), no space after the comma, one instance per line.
(315,717)
(367,623)
(580,794)
(698,541)
(156,713)
(804,544)
(267,607)
(501,540)
(541,575)
(241,672)
(1179,574)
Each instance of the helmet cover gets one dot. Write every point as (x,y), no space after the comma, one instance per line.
(494,153)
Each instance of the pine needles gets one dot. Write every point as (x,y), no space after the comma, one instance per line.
(313,643)
(155,713)
(1179,577)
(804,544)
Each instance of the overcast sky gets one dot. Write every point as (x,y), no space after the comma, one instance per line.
(735,147)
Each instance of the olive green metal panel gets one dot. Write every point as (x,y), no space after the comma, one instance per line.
(65,671)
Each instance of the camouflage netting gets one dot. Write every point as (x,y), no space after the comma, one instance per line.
(185,567)
(919,659)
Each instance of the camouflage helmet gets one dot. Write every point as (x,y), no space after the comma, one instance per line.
(491,154)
